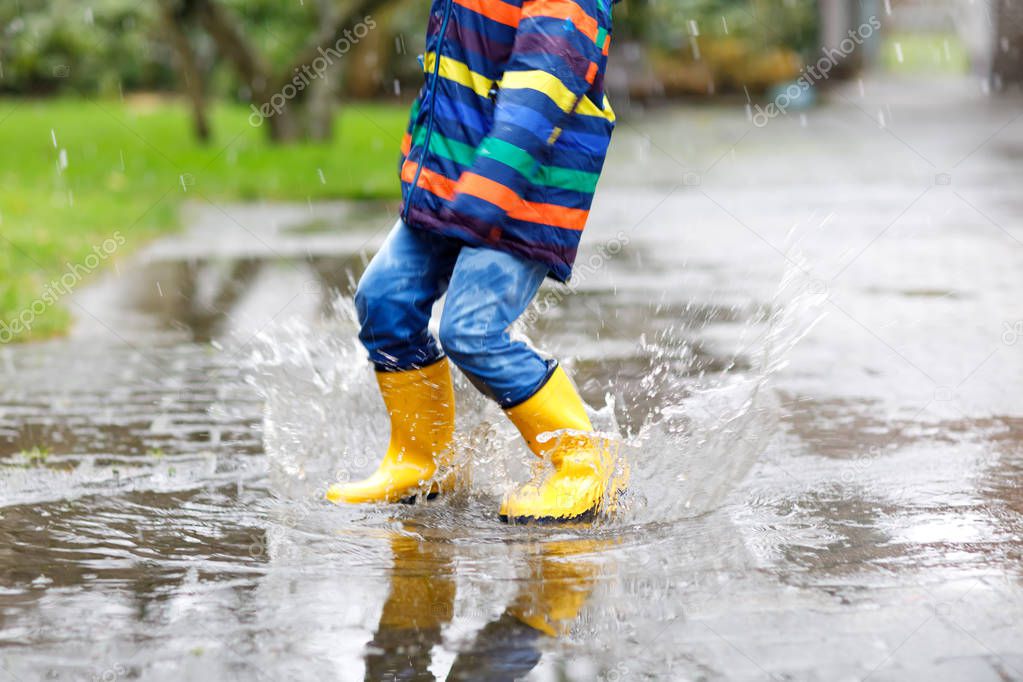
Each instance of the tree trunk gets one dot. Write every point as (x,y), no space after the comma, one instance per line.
(191,75)
(1008,44)
(322,93)
(285,122)
(284,126)
(251,67)
(332,35)
(320,107)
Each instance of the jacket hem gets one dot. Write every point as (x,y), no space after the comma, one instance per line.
(557,269)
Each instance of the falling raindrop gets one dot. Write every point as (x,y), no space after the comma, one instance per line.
(643,148)
(888,7)
(898,52)
(323,180)
(53,136)
(397,87)
(724,25)
(159,289)
(62,160)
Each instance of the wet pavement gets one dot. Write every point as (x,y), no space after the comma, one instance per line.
(809,336)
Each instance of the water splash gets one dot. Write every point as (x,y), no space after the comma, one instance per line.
(324,421)
(703,435)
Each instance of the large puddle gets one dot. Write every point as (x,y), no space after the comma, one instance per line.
(820,408)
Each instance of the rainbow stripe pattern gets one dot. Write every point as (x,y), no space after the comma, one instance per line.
(507,138)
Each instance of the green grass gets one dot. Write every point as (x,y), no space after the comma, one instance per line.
(130,166)
(933,53)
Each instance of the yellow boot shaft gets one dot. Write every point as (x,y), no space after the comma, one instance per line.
(421,407)
(555,407)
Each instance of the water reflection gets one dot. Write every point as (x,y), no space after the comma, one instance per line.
(419,604)
(209,298)
(560,577)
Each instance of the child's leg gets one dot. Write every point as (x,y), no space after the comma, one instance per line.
(487,293)
(396,294)
(489,290)
(393,300)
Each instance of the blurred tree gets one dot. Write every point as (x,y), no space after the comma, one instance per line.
(175,16)
(298,100)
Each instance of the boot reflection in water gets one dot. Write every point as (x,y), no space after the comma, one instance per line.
(547,605)
(420,603)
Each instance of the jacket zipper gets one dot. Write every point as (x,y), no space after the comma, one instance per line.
(431,96)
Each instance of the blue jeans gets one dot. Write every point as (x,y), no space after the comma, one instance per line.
(486,289)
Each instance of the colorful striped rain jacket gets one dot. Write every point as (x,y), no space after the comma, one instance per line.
(508,135)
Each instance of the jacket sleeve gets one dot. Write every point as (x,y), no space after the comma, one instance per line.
(556,57)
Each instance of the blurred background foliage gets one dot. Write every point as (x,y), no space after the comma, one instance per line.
(51,46)
(711,46)
(112,46)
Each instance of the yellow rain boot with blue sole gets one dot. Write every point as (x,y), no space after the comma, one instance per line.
(586,479)
(421,405)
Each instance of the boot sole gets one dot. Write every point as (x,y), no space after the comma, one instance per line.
(413,499)
(588,515)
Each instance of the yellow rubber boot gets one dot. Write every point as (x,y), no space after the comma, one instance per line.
(584,477)
(421,404)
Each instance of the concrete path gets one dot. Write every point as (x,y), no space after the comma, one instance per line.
(839,500)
